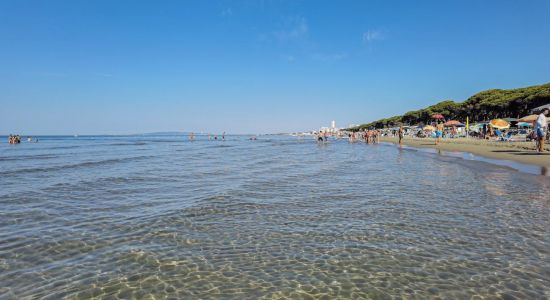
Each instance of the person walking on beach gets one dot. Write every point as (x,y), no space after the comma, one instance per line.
(541,126)
(401,134)
(438,132)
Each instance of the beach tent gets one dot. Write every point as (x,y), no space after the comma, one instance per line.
(476,127)
(499,124)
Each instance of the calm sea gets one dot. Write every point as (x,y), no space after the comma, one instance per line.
(280,217)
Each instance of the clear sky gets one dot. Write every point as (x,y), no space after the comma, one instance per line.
(92,67)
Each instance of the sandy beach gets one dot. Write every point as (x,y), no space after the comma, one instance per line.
(522,152)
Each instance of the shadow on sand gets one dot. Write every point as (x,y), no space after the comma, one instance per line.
(506,151)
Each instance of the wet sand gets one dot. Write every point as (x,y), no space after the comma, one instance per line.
(522,152)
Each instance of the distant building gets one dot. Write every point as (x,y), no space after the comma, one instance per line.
(331,129)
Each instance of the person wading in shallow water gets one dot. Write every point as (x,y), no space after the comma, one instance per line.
(320,137)
(401,133)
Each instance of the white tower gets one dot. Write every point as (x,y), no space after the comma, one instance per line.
(333,125)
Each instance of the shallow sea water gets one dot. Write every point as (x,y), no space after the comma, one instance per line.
(160,217)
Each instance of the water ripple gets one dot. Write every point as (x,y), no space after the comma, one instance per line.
(272,218)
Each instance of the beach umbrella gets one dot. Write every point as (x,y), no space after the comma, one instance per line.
(499,124)
(529,118)
(429,128)
(438,116)
(453,123)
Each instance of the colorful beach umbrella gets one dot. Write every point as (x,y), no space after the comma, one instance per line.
(452,123)
(529,118)
(499,124)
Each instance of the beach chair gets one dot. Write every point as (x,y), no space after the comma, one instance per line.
(498,135)
(507,138)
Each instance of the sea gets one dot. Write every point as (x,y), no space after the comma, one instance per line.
(280,217)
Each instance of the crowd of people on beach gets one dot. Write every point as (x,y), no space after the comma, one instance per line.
(371,136)
(536,129)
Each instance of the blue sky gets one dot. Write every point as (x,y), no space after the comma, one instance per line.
(91,67)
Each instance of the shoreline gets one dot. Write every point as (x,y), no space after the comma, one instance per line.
(520,152)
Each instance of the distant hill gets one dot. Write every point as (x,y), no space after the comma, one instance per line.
(486,105)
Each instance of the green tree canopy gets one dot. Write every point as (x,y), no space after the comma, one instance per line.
(482,106)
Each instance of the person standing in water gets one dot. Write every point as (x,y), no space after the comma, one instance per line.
(401,133)
(320,137)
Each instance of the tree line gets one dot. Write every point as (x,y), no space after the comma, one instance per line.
(483,106)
